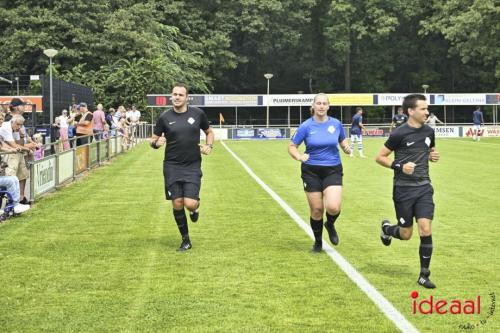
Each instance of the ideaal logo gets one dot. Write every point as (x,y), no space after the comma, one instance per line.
(441,306)
(430,305)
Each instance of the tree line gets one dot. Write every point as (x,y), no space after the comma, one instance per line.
(125,49)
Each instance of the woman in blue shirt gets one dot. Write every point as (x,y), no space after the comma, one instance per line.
(321,168)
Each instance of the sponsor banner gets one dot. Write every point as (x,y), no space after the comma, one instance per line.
(396,99)
(93,154)
(493,99)
(460,99)
(488,131)
(44,175)
(29,100)
(165,100)
(389,99)
(376,131)
(119,144)
(350,99)
(82,159)
(243,133)
(271,133)
(112,147)
(259,133)
(289,100)
(103,150)
(447,131)
(65,164)
(233,100)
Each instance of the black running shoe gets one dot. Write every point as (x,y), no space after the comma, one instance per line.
(386,239)
(185,245)
(194,216)
(317,247)
(332,233)
(24,201)
(424,280)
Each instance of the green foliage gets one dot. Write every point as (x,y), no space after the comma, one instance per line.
(125,48)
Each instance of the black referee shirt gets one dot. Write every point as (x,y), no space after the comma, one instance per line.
(182,131)
(412,145)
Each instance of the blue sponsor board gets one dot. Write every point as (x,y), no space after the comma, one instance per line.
(258,133)
(271,133)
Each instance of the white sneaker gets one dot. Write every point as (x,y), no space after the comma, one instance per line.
(362,156)
(20,208)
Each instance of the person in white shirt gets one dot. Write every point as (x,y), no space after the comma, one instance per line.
(64,120)
(133,116)
(432,119)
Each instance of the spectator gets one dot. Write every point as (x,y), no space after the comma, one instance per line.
(64,121)
(83,125)
(98,122)
(16,165)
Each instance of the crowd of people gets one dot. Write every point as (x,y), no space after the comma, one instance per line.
(82,124)
(18,148)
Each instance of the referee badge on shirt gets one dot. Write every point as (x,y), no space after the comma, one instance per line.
(331,129)
(191,120)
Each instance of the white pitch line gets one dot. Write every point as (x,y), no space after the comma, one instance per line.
(380,301)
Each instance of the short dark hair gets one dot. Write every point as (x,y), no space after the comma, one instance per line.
(183,85)
(410,101)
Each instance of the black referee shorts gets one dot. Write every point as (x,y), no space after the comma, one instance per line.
(182,181)
(413,202)
(316,178)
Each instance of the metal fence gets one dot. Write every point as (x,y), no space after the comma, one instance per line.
(59,167)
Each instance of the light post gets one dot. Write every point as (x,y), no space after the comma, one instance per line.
(268,76)
(51,53)
(425,87)
(17,81)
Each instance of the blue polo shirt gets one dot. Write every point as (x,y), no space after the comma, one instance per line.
(477,116)
(321,140)
(356,120)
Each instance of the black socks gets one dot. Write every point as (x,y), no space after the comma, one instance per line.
(392,230)
(317,228)
(425,252)
(330,219)
(180,219)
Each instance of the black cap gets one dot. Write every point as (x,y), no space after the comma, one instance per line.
(16,102)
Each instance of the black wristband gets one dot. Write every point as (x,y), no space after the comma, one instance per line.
(153,145)
(396,165)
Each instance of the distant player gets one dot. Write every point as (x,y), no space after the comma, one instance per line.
(413,147)
(399,119)
(321,167)
(180,128)
(477,120)
(432,120)
(357,130)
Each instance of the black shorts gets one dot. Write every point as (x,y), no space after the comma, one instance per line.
(316,178)
(182,181)
(413,202)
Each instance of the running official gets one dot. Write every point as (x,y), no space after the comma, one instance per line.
(180,128)
(413,144)
(321,167)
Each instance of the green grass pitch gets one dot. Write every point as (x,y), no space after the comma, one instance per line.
(99,255)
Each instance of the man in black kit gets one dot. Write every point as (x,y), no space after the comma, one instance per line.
(413,146)
(180,128)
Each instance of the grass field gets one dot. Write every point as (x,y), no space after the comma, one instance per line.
(99,255)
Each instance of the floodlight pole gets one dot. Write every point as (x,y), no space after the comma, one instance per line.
(51,53)
(268,76)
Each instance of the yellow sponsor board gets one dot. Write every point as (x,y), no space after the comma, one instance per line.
(350,99)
